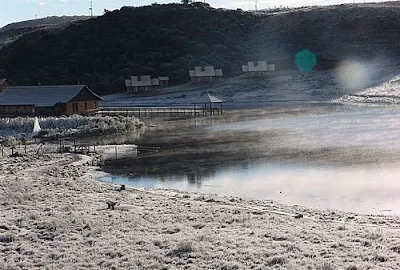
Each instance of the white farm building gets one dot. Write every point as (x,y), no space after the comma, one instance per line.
(206,73)
(257,68)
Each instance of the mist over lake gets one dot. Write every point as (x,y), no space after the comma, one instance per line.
(319,156)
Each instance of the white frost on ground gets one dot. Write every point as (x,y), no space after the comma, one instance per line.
(387,92)
(75,125)
(239,91)
(116,151)
(53,215)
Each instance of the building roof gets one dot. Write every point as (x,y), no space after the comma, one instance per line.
(207,98)
(144,80)
(214,99)
(206,71)
(41,96)
(2,81)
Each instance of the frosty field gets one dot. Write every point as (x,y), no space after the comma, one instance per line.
(54,216)
(53,211)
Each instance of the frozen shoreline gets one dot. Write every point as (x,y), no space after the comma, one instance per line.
(54,216)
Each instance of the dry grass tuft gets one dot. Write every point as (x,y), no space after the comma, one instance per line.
(276,261)
(380,258)
(181,249)
(325,266)
(6,238)
(230,266)
(376,235)
(396,249)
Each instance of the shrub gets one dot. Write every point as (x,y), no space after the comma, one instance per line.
(76,125)
(181,249)
(276,260)
(6,238)
(325,266)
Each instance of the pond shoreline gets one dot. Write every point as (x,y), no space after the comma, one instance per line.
(54,214)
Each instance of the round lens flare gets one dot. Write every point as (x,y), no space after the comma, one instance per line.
(306,60)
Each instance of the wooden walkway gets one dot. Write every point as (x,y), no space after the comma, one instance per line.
(157,111)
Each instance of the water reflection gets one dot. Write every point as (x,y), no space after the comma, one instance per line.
(352,188)
(319,157)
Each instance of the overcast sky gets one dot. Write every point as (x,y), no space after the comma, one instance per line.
(22,10)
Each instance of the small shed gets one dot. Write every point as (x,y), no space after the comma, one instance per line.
(210,101)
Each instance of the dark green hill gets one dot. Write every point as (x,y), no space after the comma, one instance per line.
(168,40)
(157,40)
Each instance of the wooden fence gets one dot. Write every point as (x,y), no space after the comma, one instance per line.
(143,112)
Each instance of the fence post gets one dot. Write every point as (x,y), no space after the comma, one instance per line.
(116,152)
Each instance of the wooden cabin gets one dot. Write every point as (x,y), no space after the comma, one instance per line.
(49,100)
(204,74)
(145,83)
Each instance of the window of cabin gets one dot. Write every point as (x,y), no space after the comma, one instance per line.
(95,104)
(86,105)
(74,107)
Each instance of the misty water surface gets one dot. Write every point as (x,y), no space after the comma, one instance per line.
(323,157)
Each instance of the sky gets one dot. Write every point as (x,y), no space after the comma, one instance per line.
(22,10)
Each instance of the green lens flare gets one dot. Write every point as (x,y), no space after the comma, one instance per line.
(305,60)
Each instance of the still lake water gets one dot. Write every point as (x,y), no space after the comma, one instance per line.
(321,156)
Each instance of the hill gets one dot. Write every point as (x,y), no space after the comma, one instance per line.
(13,31)
(169,39)
(52,21)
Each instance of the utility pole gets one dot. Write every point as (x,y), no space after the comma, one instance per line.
(255,2)
(91,8)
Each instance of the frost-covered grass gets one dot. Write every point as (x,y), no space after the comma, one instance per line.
(53,215)
(384,93)
(53,127)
